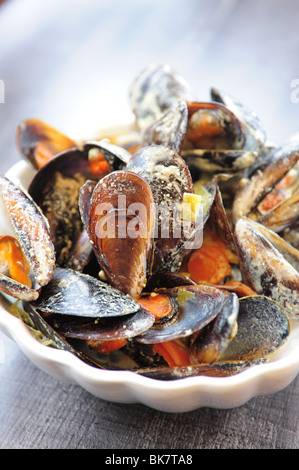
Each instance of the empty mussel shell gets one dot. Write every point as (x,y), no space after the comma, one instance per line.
(55,189)
(262,328)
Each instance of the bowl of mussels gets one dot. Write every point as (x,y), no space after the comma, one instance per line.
(156,262)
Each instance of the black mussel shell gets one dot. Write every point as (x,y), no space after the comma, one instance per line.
(73,293)
(262,329)
(121,229)
(224,369)
(255,133)
(33,133)
(167,280)
(116,156)
(169,178)
(264,269)
(103,329)
(207,345)
(156,90)
(55,189)
(31,229)
(170,130)
(284,215)
(262,181)
(194,307)
(288,251)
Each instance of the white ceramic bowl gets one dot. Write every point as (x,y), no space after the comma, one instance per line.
(175,396)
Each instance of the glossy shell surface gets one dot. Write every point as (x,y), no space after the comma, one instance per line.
(169,396)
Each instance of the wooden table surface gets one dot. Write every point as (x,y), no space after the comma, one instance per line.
(71,64)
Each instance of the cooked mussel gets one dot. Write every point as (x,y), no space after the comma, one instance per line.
(107,237)
(121,229)
(72,293)
(156,89)
(262,328)
(207,345)
(169,179)
(169,130)
(103,155)
(55,189)
(213,136)
(32,233)
(265,269)
(256,137)
(276,166)
(191,308)
(38,142)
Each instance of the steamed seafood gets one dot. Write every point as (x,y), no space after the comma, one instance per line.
(167,251)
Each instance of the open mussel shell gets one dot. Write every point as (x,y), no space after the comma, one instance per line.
(288,251)
(262,329)
(32,232)
(79,294)
(38,142)
(193,308)
(17,290)
(220,160)
(207,345)
(169,178)
(284,215)
(215,138)
(228,132)
(255,133)
(156,89)
(116,156)
(279,161)
(218,224)
(264,269)
(55,189)
(121,229)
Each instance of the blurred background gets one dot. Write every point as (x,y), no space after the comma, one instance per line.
(71,63)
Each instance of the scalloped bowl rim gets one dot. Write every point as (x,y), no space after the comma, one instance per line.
(181,395)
